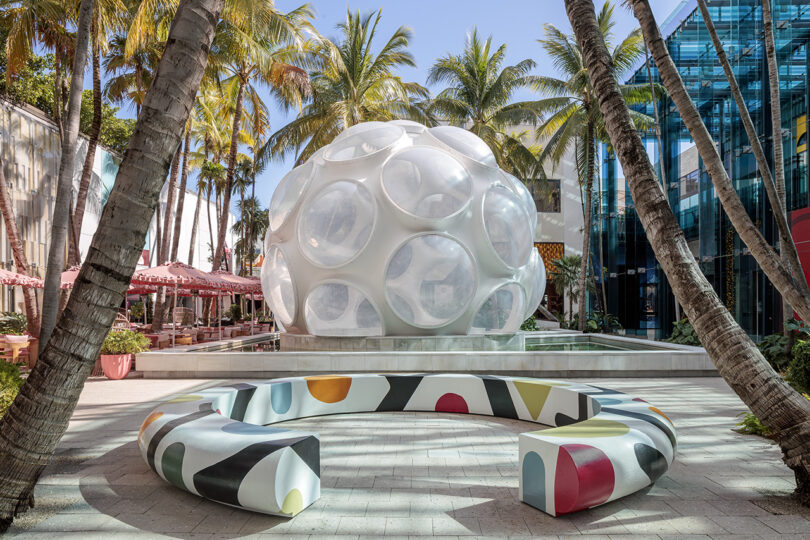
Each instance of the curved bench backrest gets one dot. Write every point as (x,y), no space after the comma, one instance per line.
(604,444)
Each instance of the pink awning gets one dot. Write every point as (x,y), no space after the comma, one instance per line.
(69,277)
(180,275)
(7,277)
(242,285)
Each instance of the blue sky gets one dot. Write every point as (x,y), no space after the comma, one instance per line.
(439,27)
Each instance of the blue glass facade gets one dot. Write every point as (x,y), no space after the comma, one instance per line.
(637,289)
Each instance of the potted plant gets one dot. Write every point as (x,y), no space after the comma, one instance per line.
(117,352)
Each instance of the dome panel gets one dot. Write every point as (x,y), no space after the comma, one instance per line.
(336,224)
(287,194)
(430,281)
(338,309)
(363,141)
(427,182)
(506,226)
(502,311)
(538,274)
(525,196)
(465,143)
(277,285)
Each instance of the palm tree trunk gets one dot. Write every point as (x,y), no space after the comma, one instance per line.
(57,91)
(61,208)
(194,230)
(181,196)
(601,248)
(210,226)
(20,260)
(226,197)
(736,357)
(586,235)
(778,154)
(765,255)
(33,426)
(90,157)
(168,228)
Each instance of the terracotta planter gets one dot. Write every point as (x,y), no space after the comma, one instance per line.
(116,366)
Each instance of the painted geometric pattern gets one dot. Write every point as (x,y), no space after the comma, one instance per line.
(218,443)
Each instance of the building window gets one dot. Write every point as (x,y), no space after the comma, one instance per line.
(547,196)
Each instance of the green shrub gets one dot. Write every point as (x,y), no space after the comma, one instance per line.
(235,312)
(10,383)
(136,310)
(684,334)
(124,342)
(799,372)
(13,323)
(773,348)
(605,323)
(752,426)
(529,325)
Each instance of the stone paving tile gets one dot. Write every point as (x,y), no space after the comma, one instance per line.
(418,475)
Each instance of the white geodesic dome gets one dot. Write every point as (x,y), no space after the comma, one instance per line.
(397,229)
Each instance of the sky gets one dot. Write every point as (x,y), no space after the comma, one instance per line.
(440,27)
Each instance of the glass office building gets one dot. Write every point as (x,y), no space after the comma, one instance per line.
(638,292)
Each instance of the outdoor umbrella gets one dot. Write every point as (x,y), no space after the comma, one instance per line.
(242,285)
(7,277)
(179,275)
(69,277)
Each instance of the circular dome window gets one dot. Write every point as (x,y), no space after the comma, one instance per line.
(427,182)
(502,311)
(430,280)
(507,227)
(465,143)
(337,309)
(287,194)
(335,225)
(277,285)
(363,141)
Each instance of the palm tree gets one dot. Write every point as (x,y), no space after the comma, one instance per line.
(354,84)
(130,76)
(564,275)
(264,55)
(61,207)
(181,193)
(250,227)
(575,118)
(107,18)
(479,95)
(737,359)
(33,425)
(20,258)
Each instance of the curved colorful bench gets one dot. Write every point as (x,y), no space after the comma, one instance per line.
(216,443)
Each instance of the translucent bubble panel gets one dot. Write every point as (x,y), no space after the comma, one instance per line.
(426,182)
(398,229)
(363,141)
(337,309)
(507,227)
(465,143)
(430,280)
(277,285)
(287,194)
(503,309)
(336,223)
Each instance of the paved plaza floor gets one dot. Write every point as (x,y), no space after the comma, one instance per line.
(418,475)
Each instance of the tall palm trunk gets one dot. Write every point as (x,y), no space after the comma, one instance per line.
(736,357)
(778,153)
(161,304)
(765,255)
(210,225)
(774,185)
(32,427)
(61,208)
(20,260)
(90,157)
(226,197)
(194,229)
(181,197)
(586,236)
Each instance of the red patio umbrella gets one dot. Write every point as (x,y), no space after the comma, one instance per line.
(7,277)
(242,285)
(179,275)
(69,277)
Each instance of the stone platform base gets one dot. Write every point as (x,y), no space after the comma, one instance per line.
(486,342)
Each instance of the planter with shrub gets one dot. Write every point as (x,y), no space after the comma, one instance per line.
(117,352)
(10,383)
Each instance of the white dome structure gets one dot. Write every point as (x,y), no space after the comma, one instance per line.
(402,230)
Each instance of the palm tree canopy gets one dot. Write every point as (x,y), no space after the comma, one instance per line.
(478,96)
(353,84)
(571,106)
